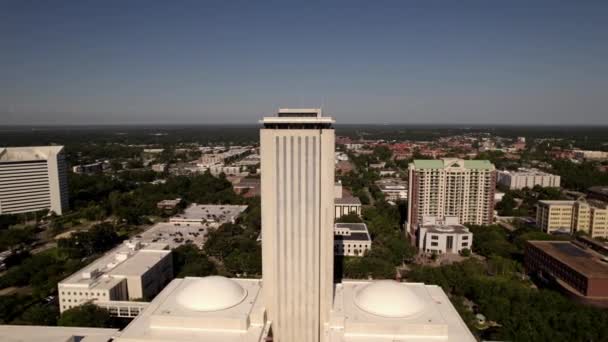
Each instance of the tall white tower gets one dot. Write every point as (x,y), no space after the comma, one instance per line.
(297,187)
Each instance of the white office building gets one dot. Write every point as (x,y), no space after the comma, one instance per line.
(443,236)
(128,272)
(297,149)
(33,178)
(527,178)
(351,239)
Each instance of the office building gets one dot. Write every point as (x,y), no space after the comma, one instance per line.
(451,187)
(351,239)
(589,216)
(527,178)
(297,162)
(441,236)
(393,189)
(131,271)
(579,271)
(347,205)
(33,179)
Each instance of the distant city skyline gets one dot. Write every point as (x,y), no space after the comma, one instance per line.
(471,62)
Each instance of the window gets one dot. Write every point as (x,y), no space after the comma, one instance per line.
(465,237)
(434,244)
(434,237)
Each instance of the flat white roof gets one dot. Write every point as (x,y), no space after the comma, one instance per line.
(12,154)
(137,262)
(23,333)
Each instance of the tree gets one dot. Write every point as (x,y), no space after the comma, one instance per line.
(39,314)
(351,217)
(87,315)
(189,261)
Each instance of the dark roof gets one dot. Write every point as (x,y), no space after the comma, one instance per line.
(599,189)
(581,260)
(360,227)
(348,200)
(352,237)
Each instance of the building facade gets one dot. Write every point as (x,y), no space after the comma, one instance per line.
(131,271)
(575,268)
(297,165)
(393,189)
(347,205)
(527,178)
(351,239)
(589,216)
(451,187)
(33,179)
(443,236)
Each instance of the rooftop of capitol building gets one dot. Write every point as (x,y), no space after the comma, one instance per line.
(298,116)
(21,333)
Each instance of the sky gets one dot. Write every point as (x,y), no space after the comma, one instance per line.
(214,62)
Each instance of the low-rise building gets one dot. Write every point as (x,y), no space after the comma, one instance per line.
(576,269)
(393,189)
(88,169)
(248,187)
(589,216)
(347,205)
(598,192)
(169,204)
(351,239)
(160,167)
(527,178)
(128,272)
(443,236)
(590,155)
(207,215)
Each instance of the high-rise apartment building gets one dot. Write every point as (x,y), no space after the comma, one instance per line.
(297,182)
(32,179)
(451,187)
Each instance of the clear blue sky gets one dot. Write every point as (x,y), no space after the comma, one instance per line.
(484,62)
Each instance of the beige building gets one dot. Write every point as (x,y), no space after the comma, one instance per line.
(33,178)
(347,205)
(451,187)
(297,162)
(572,216)
(128,272)
(527,178)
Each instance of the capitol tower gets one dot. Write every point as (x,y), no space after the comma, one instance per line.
(297,167)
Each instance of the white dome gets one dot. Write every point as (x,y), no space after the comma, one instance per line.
(388,298)
(211,293)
